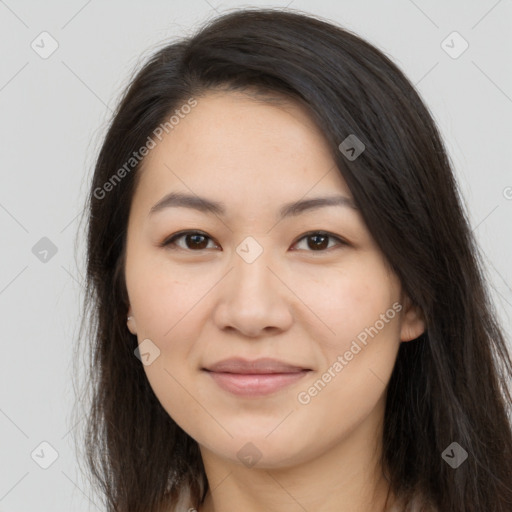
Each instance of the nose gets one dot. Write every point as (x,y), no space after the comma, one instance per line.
(253,299)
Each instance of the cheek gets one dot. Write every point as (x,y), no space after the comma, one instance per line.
(346,301)
(367,335)
(172,386)
(165,309)
(359,358)
(161,297)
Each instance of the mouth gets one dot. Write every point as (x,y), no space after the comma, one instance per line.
(254,378)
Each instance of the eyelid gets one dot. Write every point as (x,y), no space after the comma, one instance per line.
(170,240)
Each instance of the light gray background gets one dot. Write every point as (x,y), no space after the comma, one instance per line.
(53,114)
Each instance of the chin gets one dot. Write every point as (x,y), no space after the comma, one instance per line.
(261,451)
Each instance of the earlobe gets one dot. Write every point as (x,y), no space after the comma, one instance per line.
(413,321)
(130,321)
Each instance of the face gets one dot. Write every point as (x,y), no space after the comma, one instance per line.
(306,287)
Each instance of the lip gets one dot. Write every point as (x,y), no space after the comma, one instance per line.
(262,365)
(255,378)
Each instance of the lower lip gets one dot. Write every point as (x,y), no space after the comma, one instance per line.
(255,384)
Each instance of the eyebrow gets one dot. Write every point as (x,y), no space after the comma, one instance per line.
(202,204)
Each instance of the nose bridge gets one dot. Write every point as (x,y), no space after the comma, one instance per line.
(252,273)
(252,298)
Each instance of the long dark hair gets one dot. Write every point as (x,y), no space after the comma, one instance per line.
(449,385)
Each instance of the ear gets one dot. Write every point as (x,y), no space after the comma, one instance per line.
(413,321)
(130,321)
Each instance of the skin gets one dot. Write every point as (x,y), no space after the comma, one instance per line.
(295,302)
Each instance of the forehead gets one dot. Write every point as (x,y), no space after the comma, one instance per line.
(231,143)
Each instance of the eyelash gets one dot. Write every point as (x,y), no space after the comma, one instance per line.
(170,241)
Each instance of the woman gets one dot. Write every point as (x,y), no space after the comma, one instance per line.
(284,296)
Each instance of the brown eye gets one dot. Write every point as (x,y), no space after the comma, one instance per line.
(193,240)
(318,241)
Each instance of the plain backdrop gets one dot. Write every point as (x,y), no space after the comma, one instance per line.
(54,112)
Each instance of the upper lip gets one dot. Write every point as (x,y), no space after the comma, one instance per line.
(256,366)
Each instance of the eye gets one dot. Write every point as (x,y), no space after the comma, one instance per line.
(320,240)
(193,240)
(316,241)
